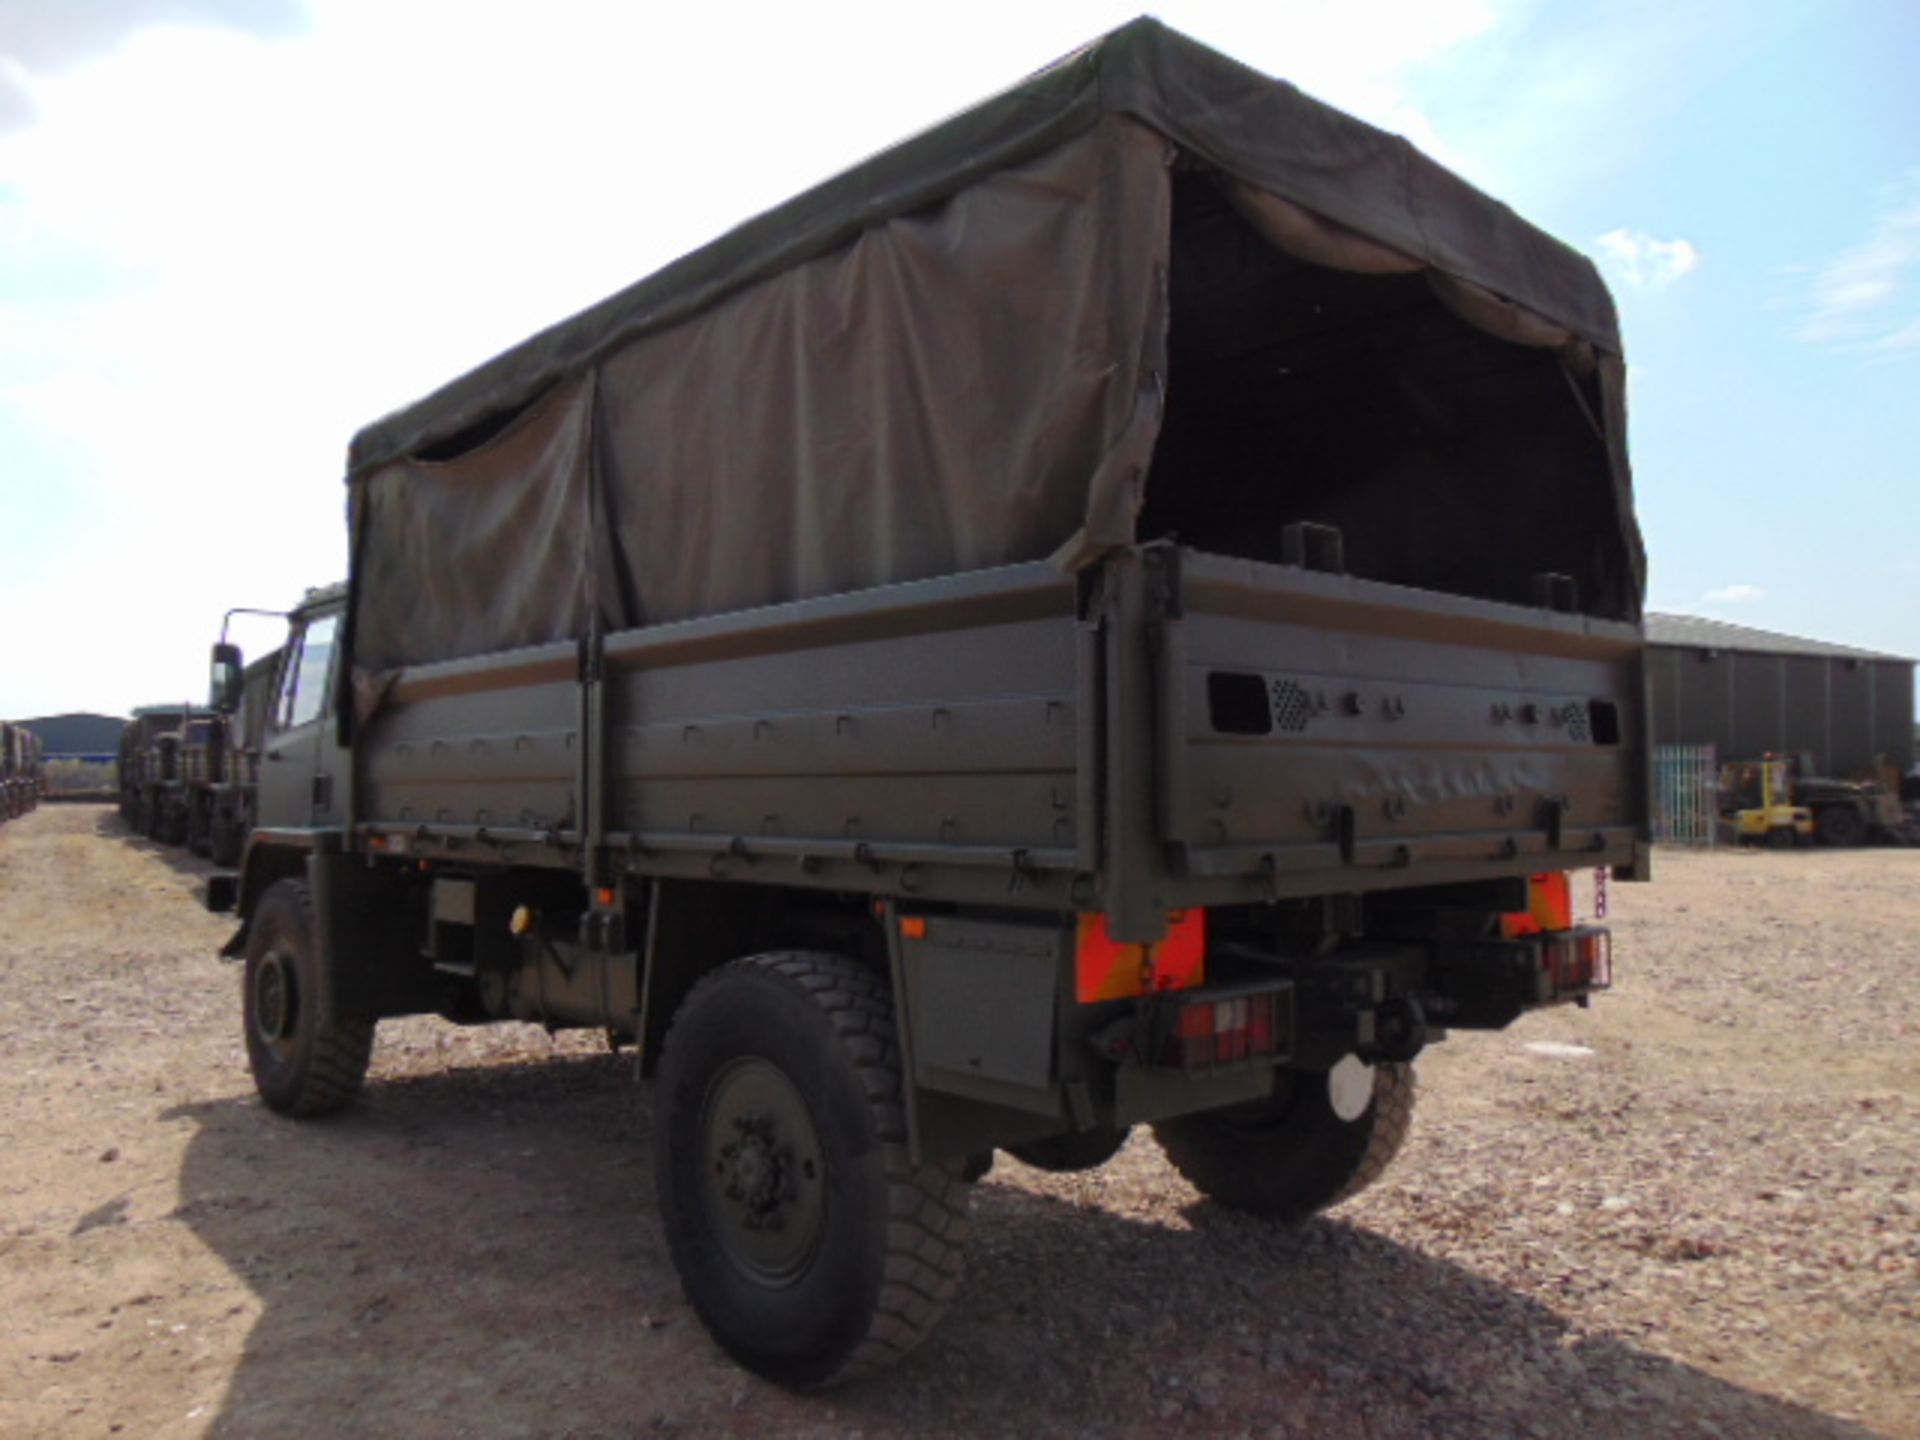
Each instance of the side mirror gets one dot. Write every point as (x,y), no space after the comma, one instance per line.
(223,689)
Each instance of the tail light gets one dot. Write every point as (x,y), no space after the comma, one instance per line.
(1199,1030)
(1574,961)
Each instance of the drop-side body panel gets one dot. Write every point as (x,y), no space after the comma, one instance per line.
(1183,730)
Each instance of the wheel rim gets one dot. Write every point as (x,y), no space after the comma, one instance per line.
(764,1175)
(276,1002)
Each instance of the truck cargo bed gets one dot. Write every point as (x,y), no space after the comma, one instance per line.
(983,736)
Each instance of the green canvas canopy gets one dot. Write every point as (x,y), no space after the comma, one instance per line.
(1011,338)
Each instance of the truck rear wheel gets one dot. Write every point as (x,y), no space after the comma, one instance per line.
(303,1064)
(807,1240)
(1292,1155)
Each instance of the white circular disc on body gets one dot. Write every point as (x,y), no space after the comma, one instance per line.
(1350,1087)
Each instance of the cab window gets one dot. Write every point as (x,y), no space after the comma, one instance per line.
(304,693)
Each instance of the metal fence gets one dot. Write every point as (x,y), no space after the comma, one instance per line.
(1686,782)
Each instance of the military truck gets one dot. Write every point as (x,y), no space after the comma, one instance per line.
(9,796)
(223,773)
(152,788)
(1122,610)
(20,770)
(34,766)
(203,770)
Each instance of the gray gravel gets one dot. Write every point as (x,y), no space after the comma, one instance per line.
(1706,1226)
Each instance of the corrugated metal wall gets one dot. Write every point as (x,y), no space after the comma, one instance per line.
(1850,713)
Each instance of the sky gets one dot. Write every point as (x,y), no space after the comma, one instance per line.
(232,232)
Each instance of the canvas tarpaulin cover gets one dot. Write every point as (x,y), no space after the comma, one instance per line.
(950,357)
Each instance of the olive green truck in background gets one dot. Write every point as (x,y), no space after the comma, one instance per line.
(152,789)
(220,766)
(22,765)
(1121,610)
(190,777)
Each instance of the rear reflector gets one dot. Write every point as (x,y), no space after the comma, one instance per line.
(1549,906)
(1107,969)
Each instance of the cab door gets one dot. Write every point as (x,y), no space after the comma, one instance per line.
(299,761)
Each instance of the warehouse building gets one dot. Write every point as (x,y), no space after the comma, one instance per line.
(1751,692)
(78,736)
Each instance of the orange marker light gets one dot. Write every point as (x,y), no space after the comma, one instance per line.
(913,927)
(604,896)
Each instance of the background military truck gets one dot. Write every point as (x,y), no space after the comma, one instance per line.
(20,770)
(203,770)
(1123,609)
(150,778)
(223,779)
(9,791)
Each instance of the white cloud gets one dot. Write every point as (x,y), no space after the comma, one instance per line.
(232,243)
(1644,262)
(1868,296)
(1735,595)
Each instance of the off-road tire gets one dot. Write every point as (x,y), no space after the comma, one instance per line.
(223,842)
(307,1065)
(1075,1151)
(1289,1157)
(1839,825)
(886,1253)
(199,827)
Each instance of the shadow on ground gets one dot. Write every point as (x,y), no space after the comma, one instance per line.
(474,1253)
(109,825)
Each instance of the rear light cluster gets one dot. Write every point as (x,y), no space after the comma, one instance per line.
(1201,1032)
(1575,961)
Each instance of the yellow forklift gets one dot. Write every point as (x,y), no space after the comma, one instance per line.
(1756,804)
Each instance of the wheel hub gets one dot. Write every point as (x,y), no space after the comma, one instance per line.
(765,1182)
(274,1000)
(759,1172)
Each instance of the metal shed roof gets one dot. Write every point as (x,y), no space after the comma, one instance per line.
(1697,632)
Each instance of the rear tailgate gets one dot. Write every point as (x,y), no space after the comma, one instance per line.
(1319,733)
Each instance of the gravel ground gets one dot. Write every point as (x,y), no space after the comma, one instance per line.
(1692,1210)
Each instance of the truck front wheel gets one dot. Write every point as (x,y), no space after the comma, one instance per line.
(807,1240)
(1839,825)
(1292,1155)
(303,1063)
(223,840)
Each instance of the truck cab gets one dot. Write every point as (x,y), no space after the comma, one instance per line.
(283,748)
